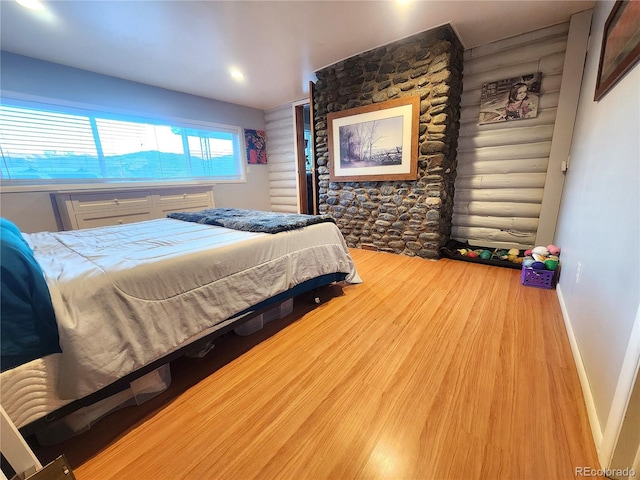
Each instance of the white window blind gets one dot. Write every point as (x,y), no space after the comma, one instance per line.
(41,143)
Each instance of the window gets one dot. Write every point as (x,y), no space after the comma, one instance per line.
(43,144)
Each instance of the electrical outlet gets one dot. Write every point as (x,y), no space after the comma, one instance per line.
(578,272)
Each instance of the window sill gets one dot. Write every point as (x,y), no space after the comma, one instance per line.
(6,187)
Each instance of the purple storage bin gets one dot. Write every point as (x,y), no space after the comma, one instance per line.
(538,278)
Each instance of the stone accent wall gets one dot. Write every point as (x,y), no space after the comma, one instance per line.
(404,217)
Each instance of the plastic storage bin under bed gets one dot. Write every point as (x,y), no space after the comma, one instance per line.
(139,391)
(259,321)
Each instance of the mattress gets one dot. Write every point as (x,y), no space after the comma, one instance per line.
(28,392)
(126,295)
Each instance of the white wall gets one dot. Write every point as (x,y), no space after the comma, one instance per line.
(598,230)
(29,77)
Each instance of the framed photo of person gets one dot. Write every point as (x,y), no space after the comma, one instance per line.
(510,99)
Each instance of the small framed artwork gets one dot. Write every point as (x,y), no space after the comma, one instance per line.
(376,142)
(620,45)
(256,142)
(510,99)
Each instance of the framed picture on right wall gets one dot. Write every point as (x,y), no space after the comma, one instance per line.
(620,45)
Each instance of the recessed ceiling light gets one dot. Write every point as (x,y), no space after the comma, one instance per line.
(31,4)
(236,74)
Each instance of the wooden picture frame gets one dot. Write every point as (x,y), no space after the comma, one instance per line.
(620,45)
(376,142)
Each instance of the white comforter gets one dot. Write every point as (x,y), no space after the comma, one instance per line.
(126,295)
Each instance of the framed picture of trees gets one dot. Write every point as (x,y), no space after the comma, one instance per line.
(376,142)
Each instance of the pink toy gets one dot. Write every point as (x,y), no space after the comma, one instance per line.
(553,250)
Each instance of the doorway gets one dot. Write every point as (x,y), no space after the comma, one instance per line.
(307,191)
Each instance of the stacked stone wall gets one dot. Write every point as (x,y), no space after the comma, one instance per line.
(405,217)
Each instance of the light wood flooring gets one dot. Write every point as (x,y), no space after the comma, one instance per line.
(427,370)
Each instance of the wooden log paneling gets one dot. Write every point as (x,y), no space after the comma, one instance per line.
(489,237)
(288,201)
(470,128)
(501,170)
(279,192)
(527,165)
(510,180)
(531,150)
(509,136)
(526,195)
(525,38)
(500,223)
(277,113)
(281,167)
(282,183)
(285,175)
(281,161)
(551,64)
(279,125)
(280,140)
(516,55)
(498,209)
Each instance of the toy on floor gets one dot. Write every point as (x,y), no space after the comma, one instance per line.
(542,258)
(539,267)
(539,257)
(513,255)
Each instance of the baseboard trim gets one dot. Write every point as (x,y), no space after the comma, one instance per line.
(624,389)
(596,429)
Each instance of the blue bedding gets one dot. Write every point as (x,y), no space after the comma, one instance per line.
(251,220)
(28,328)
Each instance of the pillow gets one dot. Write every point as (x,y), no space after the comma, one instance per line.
(28,328)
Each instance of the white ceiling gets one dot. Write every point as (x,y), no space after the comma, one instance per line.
(189,46)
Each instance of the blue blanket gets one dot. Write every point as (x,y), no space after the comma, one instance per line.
(28,328)
(251,220)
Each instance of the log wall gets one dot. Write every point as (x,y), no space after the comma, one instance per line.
(502,167)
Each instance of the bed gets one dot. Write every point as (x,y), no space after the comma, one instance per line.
(127,299)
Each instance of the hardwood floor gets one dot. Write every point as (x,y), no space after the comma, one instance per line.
(427,370)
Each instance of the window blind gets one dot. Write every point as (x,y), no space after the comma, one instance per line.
(39,143)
